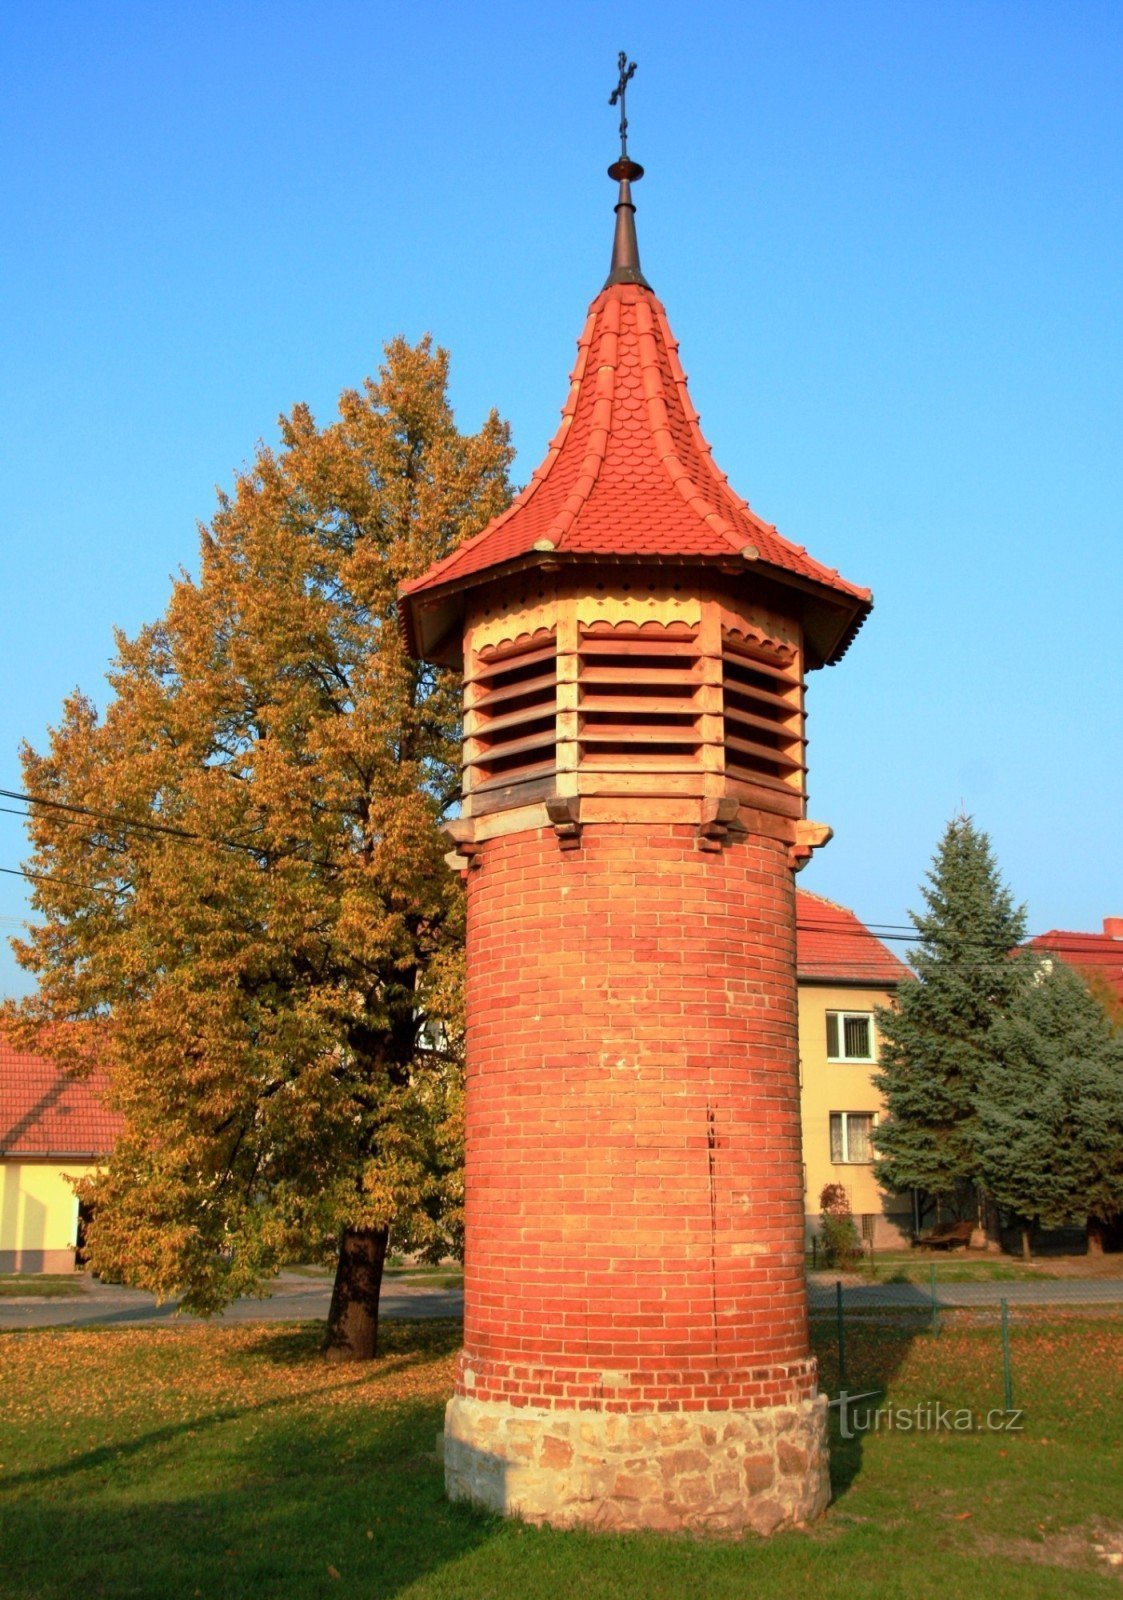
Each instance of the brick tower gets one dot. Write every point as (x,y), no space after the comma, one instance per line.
(634,641)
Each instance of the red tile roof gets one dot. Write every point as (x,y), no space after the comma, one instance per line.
(43,1112)
(1089,952)
(629,474)
(833,946)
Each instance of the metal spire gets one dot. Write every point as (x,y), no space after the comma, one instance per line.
(625,266)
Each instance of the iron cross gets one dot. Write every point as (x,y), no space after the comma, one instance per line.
(627,70)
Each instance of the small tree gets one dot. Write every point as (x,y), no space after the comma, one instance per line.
(240,890)
(1049,1129)
(939,1036)
(836,1228)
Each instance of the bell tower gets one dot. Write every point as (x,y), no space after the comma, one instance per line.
(634,641)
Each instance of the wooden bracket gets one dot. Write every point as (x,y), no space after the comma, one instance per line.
(465,852)
(809,836)
(719,817)
(564,812)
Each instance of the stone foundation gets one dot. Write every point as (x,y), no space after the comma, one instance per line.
(724,1472)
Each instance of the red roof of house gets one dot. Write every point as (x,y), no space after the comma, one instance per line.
(43,1112)
(1090,952)
(833,946)
(629,476)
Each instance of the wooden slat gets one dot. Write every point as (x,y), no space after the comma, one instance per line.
(512,780)
(774,757)
(614,676)
(604,780)
(767,724)
(496,665)
(625,648)
(516,747)
(604,763)
(499,794)
(765,668)
(641,705)
(749,775)
(513,691)
(768,794)
(764,697)
(514,719)
(629,733)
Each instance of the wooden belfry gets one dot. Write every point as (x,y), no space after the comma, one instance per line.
(634,641)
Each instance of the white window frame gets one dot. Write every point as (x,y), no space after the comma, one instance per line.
(847,1160)
(843,1017)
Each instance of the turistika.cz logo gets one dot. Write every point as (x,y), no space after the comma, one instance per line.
(926,1416)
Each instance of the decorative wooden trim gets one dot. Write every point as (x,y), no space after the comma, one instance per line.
(464,855)
(719,816)
(809,836)
(564,812)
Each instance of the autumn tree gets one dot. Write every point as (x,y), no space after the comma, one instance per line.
(1049,1116)
(242,900)
(939,1036)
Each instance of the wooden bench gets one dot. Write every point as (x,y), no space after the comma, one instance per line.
(946,1235)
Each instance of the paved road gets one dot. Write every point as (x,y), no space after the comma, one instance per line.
(293,1298)
(857,1296)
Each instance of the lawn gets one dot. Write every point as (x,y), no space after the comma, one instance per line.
(230,1462)
(40,1285)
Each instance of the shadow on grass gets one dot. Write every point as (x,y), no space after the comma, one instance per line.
(875,1344)
(289,1496)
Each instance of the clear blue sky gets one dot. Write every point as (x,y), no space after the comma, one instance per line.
(888,236)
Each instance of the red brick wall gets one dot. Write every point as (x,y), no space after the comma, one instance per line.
(634,1190)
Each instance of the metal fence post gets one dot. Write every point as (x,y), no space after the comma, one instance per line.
(1007,1374)
(935,1300)
(841,1331)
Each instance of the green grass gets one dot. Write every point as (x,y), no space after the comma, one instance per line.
(426,1277)
(40,1286)
(449,1277)
(915,1266)
(231,1462)
(952,1269)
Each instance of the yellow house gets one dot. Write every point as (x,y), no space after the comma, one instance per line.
(844,973)
(52,1129)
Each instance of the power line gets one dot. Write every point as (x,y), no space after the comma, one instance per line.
(74,813)
(893,932)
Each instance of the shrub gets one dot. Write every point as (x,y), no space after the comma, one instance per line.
(837,1233)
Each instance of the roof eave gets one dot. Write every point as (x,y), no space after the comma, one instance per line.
(438,603)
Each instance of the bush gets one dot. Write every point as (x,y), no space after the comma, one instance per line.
(837,1234)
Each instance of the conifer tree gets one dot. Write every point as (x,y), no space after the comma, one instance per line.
(938,1038)
(1050,1107)
(245,912)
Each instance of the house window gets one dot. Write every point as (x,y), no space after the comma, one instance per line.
(852,1137)
(849,1036)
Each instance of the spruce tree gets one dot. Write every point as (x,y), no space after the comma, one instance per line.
(243,909)
(1050,1107)
(939,1037)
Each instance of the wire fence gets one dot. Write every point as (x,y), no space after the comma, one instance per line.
(958,1351)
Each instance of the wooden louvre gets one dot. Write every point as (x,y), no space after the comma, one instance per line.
(638,698)
(511,721)
(762,698)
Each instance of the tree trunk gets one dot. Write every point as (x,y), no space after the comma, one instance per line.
(353,1318)
(1095,1236)
(1026,1253)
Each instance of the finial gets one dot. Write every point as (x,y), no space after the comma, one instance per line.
(627,73)
(625,247)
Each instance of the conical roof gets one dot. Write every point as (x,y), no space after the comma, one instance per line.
(630,478)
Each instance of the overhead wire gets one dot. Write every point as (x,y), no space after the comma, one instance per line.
(883,932)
